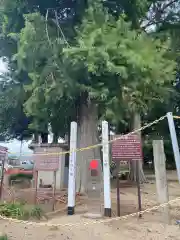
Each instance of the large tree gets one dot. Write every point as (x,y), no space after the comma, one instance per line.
(104,69)
(108,64)
(124,66)
(66,14)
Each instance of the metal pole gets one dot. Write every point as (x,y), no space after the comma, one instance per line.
(174,142)
(118,186)
(106,169)
(72,169)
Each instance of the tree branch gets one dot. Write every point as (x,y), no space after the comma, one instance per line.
(159,11)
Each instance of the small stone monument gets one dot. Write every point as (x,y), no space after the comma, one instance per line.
(94,189)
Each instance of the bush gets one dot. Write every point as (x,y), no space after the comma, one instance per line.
(37,212)
(20,211)
(3,237)
(20,176)
(13,210)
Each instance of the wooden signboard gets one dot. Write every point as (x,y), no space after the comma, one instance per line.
(46,161)
(126,148)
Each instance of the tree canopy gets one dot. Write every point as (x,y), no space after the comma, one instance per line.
(84,61)
(120,55)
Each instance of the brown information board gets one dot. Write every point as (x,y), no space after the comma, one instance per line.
(126,148)
(46,161)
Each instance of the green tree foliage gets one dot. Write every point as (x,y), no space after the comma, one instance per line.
(13,121)
(100,55)
(12,21)
(124,67)
(51,90)
(112,59)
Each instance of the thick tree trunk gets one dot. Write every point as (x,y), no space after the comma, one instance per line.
(87,136)
(133,171)
(44,137)
(55,138)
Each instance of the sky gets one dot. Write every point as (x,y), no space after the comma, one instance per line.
(2,66)
(14,147)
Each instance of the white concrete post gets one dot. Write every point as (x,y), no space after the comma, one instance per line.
(72,169)
(174,142)
(106,169)
(161,178)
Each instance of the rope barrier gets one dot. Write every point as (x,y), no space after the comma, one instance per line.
(79,224)
(104,220)
(96,145)
(47,224)
(176,117)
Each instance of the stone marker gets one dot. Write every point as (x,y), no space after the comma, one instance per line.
(161,178)
(94,189)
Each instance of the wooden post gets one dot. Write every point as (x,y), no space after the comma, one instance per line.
(161,178)
(2,177)
(118,188)
(138,187)
(54,191)
(36,187)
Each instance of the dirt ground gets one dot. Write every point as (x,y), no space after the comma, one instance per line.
(150,226)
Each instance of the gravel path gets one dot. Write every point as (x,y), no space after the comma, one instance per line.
(124,230)
(150,227)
